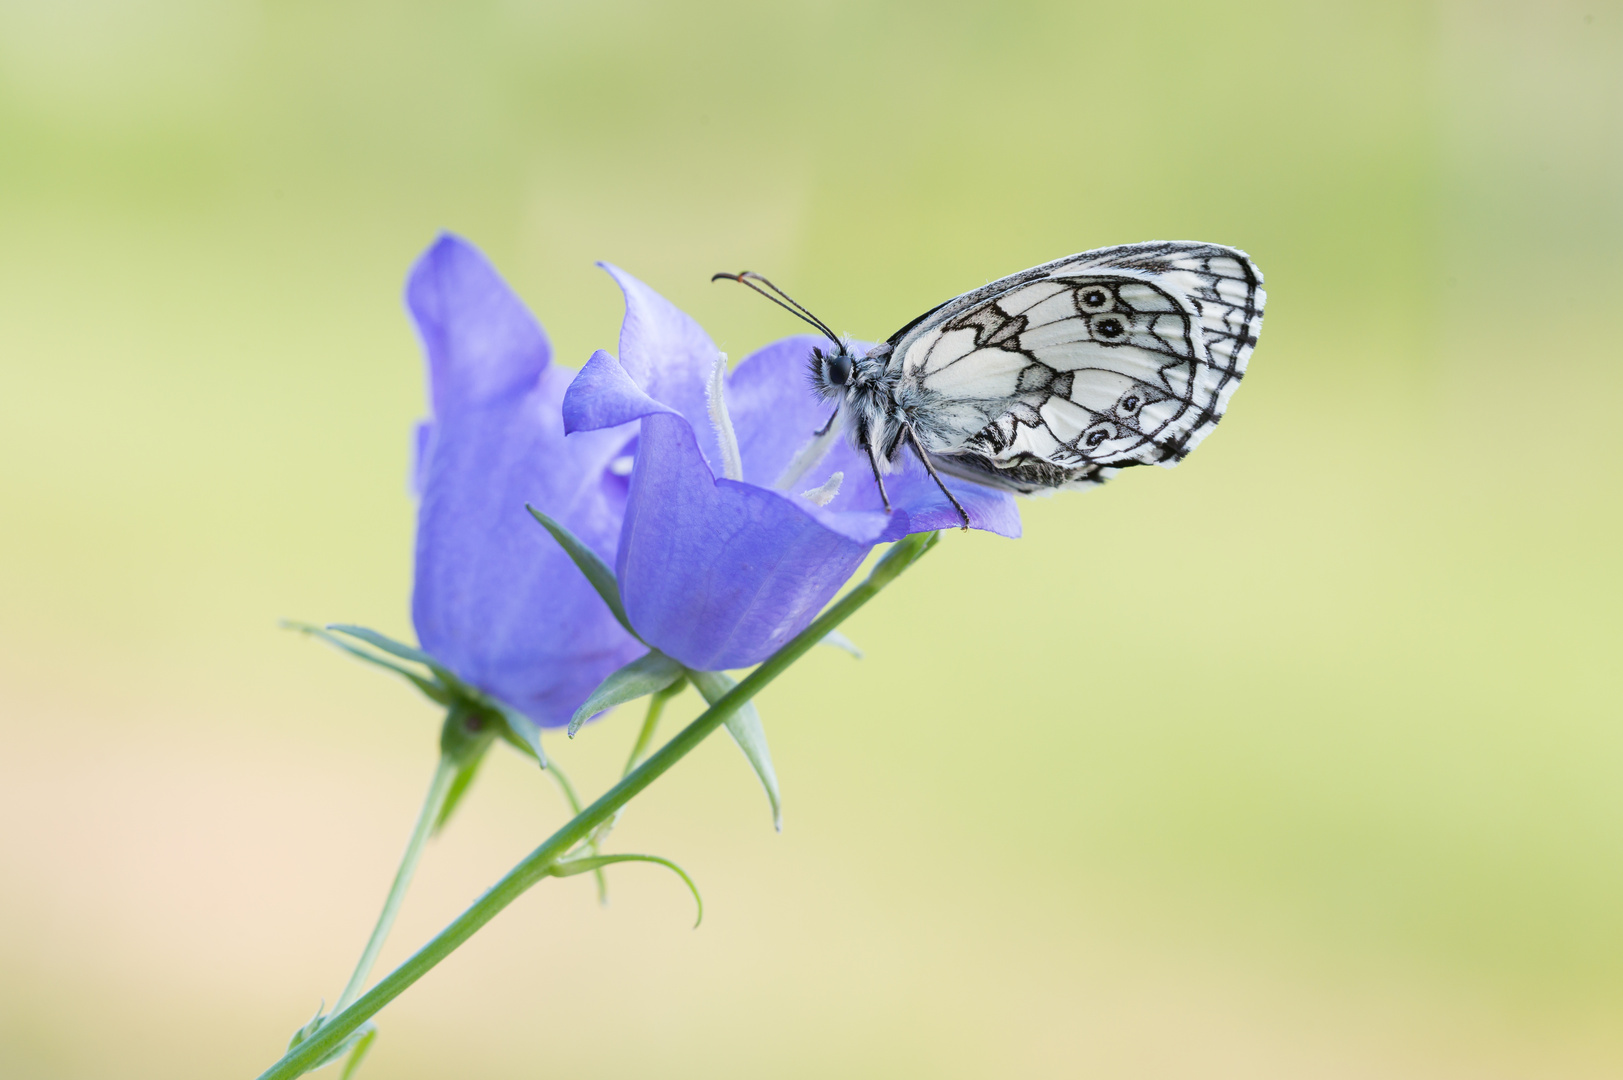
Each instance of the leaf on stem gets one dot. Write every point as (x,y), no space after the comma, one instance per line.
(362,1045)
(587,863)
(648,674)
(745,728)
(835,639)
(591,564)
(360,1040)
(310,1026)
(363,1034)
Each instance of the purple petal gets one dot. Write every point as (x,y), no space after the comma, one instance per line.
(495,598)
(775,410)
(422,443)
(482,344)
(915,494)
(669,355)
(719,574)
(604,395)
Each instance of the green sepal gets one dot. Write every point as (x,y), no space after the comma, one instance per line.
(522,732)
(591,564)
(466,735)
(648,674)
(836,640)
(587,863)
(459,787)
(432,690)
(402,650)
(745,728)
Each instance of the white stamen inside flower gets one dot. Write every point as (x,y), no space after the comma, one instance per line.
(732,462)
(823,495)
(621,466)
(806,458)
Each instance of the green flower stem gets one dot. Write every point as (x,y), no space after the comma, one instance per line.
(656,706)
(444,773)
(645,736)
(568,791)
(538,864)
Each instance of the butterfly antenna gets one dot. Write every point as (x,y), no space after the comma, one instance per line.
(782,299)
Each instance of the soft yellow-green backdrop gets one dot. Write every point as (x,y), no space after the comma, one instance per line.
(1305,760)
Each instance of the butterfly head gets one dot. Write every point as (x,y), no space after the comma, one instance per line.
(832,370)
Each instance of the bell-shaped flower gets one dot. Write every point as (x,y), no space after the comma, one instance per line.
(740,524)
(496,601)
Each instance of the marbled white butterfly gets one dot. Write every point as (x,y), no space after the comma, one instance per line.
(1055,377)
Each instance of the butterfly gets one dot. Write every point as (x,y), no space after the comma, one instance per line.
(1056,377)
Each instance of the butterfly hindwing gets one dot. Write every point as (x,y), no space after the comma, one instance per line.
(1060,374)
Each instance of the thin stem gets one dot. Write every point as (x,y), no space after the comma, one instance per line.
(568,791)
(538,864)
(656,706)
(438,787)
(645,735)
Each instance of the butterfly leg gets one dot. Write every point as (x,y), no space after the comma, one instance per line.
(820,432)
(878,478)
(963,514)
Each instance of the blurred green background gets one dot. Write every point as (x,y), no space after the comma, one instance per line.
(1305,759)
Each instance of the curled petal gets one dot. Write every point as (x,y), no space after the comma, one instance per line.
(669,355)
(604,395)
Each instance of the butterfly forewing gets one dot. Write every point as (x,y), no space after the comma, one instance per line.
(1057,375)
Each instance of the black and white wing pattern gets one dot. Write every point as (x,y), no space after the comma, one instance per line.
(1062,374)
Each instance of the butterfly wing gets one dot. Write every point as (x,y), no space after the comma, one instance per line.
(1061,374)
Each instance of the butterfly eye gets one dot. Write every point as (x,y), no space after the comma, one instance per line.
(1094,298)
(1109,328)
(837,368)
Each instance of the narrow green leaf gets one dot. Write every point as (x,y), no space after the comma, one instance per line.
(362,1045)
(431,689)
(837,640)
(591,564)
(648,674)
(745,728)
(596,862)
(400,649)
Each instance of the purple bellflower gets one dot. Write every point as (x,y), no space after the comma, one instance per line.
(740,524)
(495,599)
